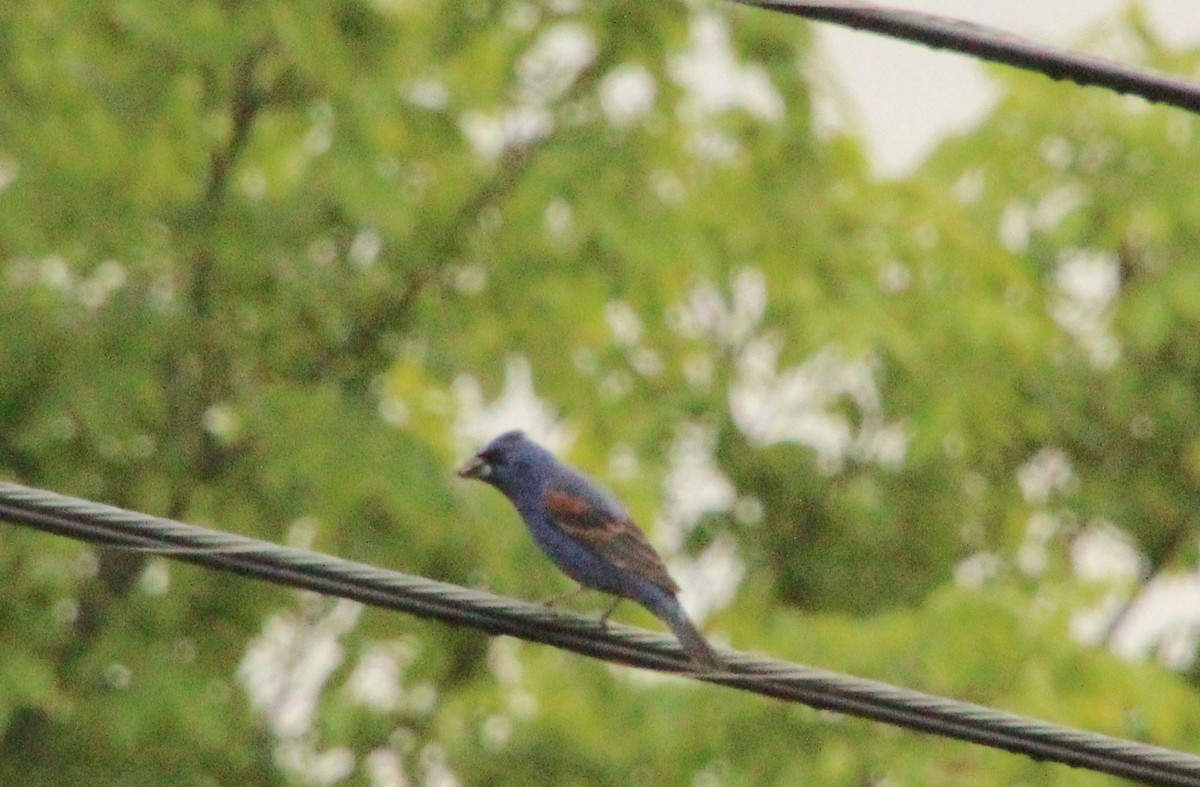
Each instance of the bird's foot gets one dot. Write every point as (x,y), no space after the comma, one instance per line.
(603,621)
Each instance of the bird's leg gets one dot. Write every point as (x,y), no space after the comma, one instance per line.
(558,598)
(611,608)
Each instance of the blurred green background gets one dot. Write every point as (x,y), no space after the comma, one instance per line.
(277,267)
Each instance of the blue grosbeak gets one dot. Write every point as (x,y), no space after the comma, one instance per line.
(585,531)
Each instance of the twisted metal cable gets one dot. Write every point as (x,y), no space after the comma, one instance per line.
(989,43)
(114,527)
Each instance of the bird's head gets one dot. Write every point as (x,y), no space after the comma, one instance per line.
(502,462)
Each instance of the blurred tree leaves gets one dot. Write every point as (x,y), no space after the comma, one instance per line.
(275,267)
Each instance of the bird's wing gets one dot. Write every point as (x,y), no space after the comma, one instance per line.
(613,536)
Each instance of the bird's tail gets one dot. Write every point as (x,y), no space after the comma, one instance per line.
(693,642)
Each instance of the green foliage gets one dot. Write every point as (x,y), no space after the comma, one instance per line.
(276,266)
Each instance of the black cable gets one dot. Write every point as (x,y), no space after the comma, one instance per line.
(989,43)
(114,527)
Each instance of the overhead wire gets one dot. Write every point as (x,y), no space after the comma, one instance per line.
(118,528)
(427,598)
(990,43)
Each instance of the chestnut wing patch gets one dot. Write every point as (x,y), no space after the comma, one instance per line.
(616,539)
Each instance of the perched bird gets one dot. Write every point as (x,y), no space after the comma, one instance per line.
(585,531)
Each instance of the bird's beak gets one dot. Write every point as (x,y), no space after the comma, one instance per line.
(475,467)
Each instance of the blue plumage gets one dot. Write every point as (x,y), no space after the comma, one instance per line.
(585,531)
